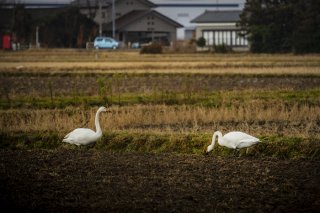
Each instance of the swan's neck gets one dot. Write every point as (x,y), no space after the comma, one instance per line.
(215,135)
(213,140)
(219,135)
(97,123)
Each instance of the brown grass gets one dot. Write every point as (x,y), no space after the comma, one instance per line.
(270,117)
(255,118)
(133,62)
(138,68)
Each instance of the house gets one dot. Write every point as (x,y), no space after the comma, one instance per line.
(144,25)
(220,28)
(130,20)
(183,11)
(101,11)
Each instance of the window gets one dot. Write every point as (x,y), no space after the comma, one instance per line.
(216,37)
(227,37)
(233,38)
(210,38)
(205,35)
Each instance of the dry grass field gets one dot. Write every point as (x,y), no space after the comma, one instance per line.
(162,111)
(60,61)
(57,90)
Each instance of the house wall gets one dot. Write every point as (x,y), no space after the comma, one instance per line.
(152,26)
(150,23)
(221,33)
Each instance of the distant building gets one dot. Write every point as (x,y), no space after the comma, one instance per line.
(91,8)
(219,27)
(183,11)
(155,20)
(131,20)
(144,26)
(37,11)
(33,4)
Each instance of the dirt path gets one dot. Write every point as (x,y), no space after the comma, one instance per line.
(87,180)
(87,85)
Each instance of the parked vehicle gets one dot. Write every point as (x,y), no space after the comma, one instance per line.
(105,42)
(142,42)
(147,41)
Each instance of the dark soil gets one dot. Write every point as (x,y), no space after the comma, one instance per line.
(85,180)
(87,85)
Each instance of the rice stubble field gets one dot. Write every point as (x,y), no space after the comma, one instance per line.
(162,112)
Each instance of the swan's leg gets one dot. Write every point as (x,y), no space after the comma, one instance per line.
(239,153)
(83,148)
(236,152)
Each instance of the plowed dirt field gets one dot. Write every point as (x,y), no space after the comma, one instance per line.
(65,180)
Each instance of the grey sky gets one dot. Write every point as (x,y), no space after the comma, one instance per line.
(155,1)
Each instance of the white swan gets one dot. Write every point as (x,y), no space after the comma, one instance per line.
(84,136)
(233,140)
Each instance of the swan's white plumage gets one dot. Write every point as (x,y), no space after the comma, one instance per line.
(233,140)
(84,136)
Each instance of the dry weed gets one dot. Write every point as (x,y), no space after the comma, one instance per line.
(276,119)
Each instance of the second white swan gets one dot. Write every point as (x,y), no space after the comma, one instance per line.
(233,140)
(84,136)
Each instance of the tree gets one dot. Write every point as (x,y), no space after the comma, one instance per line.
(201,42)
(68,28)
(282,25)
(306,36)
(268,25)
(21,24)
(91,5)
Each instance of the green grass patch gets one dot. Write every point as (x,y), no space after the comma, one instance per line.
(21,140)
(202,98)
(188,143)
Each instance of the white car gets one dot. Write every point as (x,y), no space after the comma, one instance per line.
(105,42)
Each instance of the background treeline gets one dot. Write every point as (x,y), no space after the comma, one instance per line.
(62,27)
(282,25)
(271,26)
(68,28)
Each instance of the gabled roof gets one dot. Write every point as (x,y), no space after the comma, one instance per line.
(148,3)
(218,17)
(95,3)
(134,15)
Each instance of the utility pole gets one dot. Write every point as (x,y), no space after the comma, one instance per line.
(113,20)
(37,37)
(100,18)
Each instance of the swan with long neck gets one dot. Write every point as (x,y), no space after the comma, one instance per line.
(233,140)
(84,136)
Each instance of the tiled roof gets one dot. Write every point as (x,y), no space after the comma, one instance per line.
(93,3)
(218,16)
(135,15)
